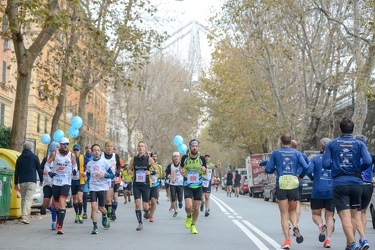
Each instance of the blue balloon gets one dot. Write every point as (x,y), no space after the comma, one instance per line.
(178,140)
(58,135)
(182,148)
(77,122)
(73,132)
(45,139)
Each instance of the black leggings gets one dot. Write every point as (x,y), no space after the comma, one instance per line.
(84,202)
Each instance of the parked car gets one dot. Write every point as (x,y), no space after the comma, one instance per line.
(269,190)
(244,188)
(306,189)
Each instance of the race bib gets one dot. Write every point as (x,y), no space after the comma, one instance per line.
(154,178)
(141,176)
(193,177)
(288,182)
(59,181)
(206,183)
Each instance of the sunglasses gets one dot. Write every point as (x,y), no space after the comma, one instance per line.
(76,149)
(64,144)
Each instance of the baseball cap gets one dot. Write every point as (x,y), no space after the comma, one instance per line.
(64,140)
(207,155)
(77,146)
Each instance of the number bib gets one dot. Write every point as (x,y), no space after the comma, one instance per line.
(141,176)
(193,177)
(206,183)
(154,178)
(288,182)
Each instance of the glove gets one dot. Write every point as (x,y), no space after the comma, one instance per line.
(117,173)
(51,174)
(74,172)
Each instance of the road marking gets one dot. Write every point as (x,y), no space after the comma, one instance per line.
(248,233)
(255,239)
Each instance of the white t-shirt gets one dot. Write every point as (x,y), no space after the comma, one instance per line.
(62,166)
(179,177)
(48,181)
(94,167)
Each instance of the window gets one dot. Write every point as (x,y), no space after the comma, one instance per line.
(45,124)
(38,124)
(2,115)
(4,79)
(40,88)
(90,119)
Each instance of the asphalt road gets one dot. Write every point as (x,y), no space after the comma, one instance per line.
(234,223)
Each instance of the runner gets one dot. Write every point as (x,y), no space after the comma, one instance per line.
(193,166)
(127,185)
(47,184)
(141,187)
(207,178)
(347,158)
(87,157)
(177,182)
(229,183)
(64,165)
(286,161)
(237,183)
(78,184)
(155,178)
(99,171)
(322,196)
(111,200)
(367,190)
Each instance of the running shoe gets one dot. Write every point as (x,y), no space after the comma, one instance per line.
(188,222)
(327,243)
(104,220)
(206,213)
(364,244)
(202,207)
(108,224)
(80,219)
(53,226)
(170,208)
(175,214)
(298,235)
(353,246)
(286,244)
(113,216)
(322,232)
(60,230)
(125,202)
(57,223)
(193,229)
(146,215)
(94,230)
(151,218)
(129,200)
(76,219)
(84,216)
(180,205)
(140,227)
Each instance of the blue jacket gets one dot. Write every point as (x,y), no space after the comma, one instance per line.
(285,161)
(27,166)
(347,158)
(322,179)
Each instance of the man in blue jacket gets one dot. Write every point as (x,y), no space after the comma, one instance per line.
(347,158)
(286,161)
(321,196)
(27,166)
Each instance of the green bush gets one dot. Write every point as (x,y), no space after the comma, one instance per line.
(5,137)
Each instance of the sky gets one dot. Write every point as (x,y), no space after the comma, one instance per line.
(181,12)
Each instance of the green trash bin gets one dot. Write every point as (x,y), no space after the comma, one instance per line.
(6,174)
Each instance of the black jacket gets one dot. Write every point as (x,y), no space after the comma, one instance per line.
(27,166)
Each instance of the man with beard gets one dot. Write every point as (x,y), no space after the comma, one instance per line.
(64,165)
(193,166)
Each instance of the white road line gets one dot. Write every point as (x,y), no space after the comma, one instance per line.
(263,235)
(219,205)
(225,205)
(231,217)
(239,217)
(252,237)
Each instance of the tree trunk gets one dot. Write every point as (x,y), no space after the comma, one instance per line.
(81,140)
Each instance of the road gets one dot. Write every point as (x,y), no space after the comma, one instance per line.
(237,223)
